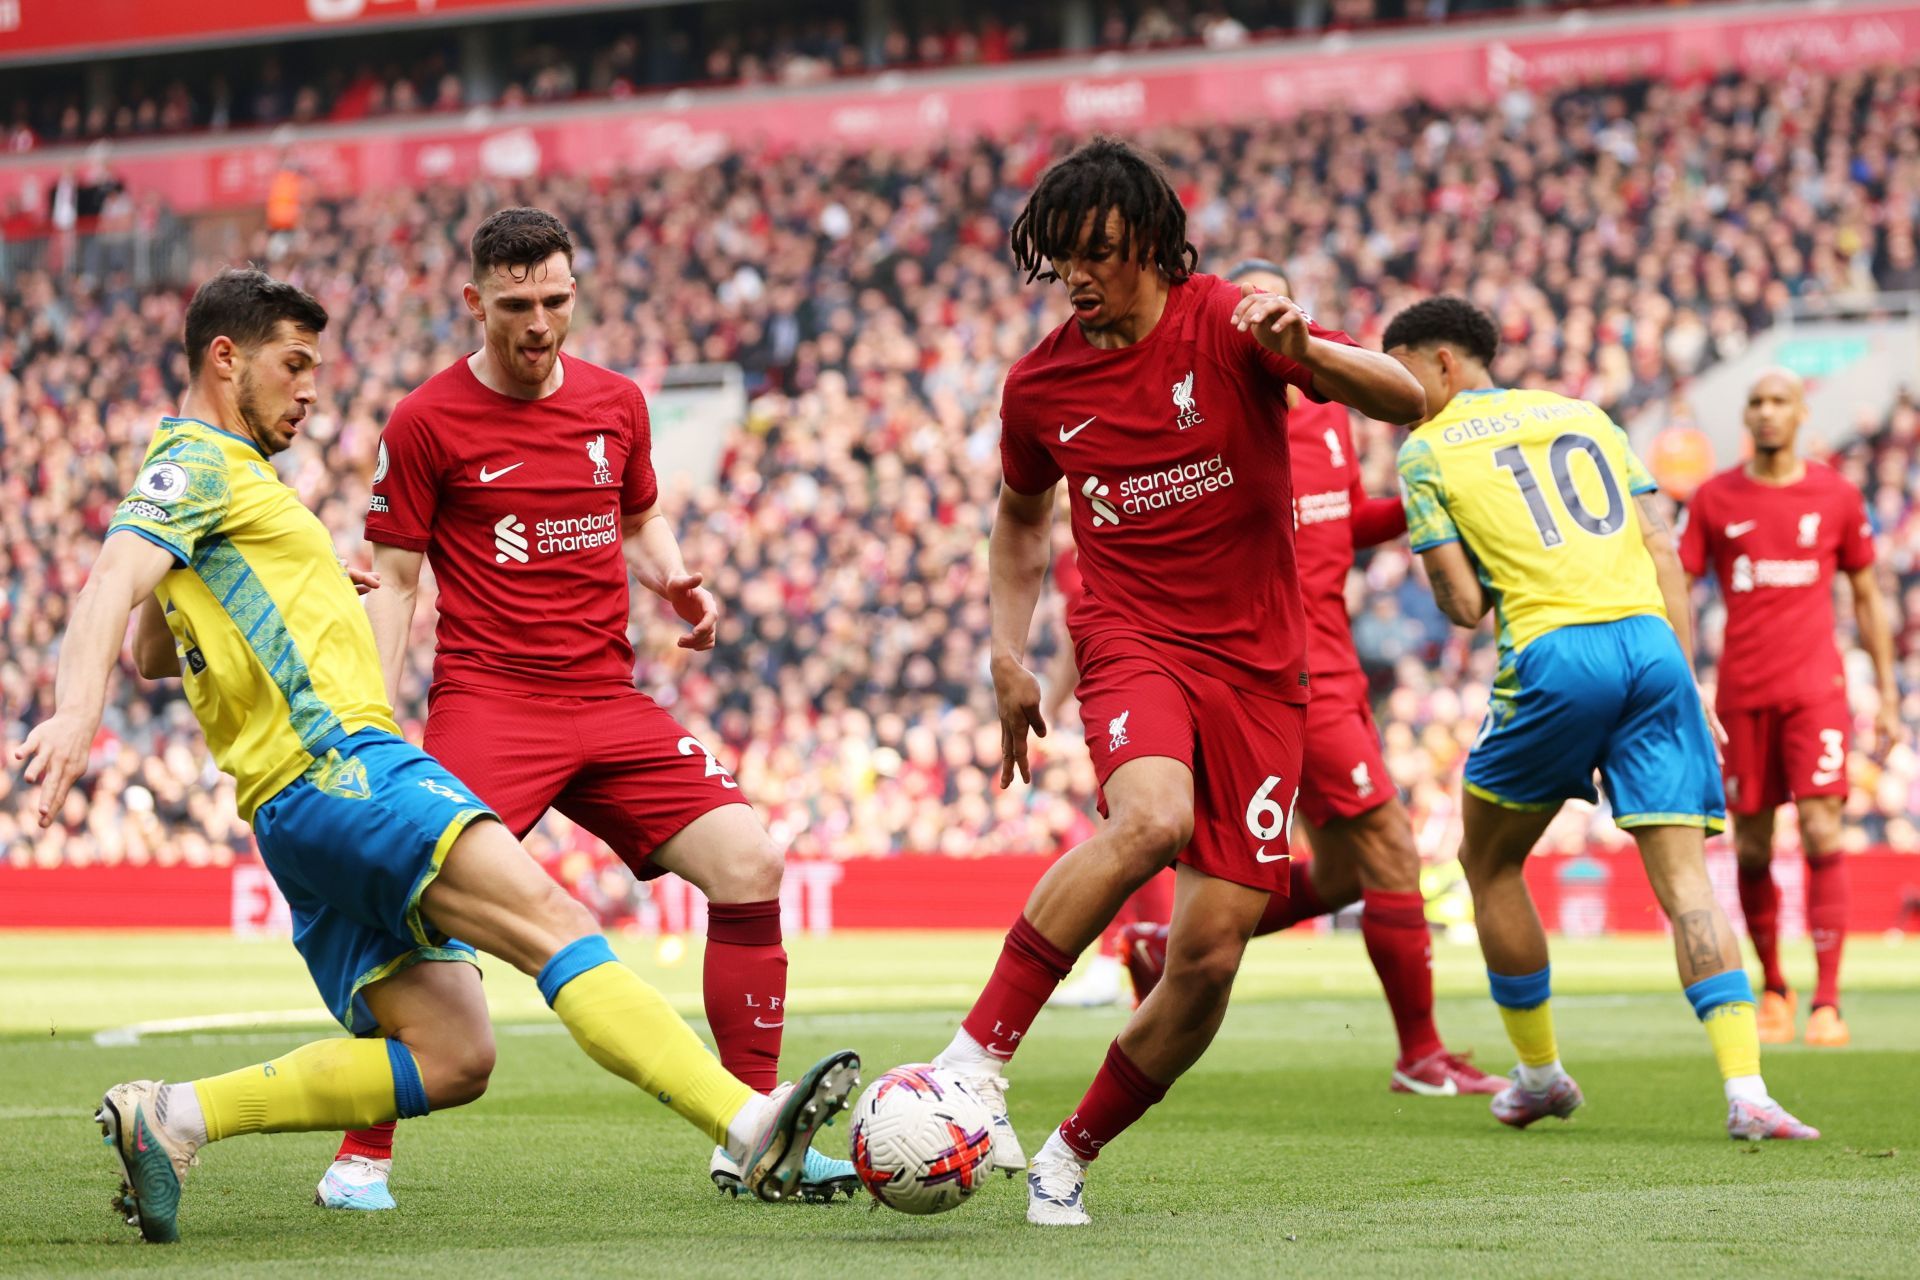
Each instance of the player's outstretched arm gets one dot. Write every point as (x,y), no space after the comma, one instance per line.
(1456,587)
(1016,567)
(390,610)
(154,654)
(1875,625)
(653,557)
(128,569)
(1374,383)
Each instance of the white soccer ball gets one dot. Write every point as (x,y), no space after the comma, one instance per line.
(922,1139)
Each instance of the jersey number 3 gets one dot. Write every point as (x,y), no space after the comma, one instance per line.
(1559,462)
(691,744)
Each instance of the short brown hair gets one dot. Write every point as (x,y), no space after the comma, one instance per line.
(245,305)
(519,240)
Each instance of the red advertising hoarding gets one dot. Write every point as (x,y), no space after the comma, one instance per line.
(690,130)
(1603,892)
(72,27)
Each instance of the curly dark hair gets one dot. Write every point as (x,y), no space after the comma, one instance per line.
(1445,319)
(519,240)
(245,305)
(1104,176)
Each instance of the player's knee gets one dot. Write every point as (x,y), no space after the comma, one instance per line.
(1387,857)
(455,1069)
(1819,827)
(1204,969)
(1752,851)
(1149,838)
(750,874)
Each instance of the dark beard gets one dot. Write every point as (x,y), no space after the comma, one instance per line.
(252,414)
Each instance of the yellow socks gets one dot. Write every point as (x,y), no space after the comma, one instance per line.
(1526,1007)
(329,1084)
(1724,1005)
(628,1028)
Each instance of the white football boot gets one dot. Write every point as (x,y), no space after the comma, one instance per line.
(1009,1157)
(1055,1182)
(356,1182)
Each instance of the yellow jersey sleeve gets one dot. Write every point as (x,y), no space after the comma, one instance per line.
(180,497)
(1639,479)
(1424,491)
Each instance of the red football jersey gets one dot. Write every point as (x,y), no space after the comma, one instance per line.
(1774,549)
(1175,451)
(1328,505)
(517,504)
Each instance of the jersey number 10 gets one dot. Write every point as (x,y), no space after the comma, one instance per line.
(1559,454)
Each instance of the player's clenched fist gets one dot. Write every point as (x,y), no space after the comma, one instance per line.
(56,756)
(1275,321)
(1017,691)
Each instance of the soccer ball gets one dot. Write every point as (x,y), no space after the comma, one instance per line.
(922,1139)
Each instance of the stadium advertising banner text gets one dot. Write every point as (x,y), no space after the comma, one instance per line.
(689,130)
(41,27)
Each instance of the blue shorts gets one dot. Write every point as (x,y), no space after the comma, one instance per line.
(1617,697)
(353,843)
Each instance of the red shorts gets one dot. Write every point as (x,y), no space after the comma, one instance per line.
(1345,774)
(1776,754)
(1243,748)
(619,766)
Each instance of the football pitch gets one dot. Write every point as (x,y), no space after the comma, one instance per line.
(1282,1152)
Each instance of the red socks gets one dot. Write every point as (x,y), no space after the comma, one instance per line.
(1826,921)
(1119,1095)
(1760,904)
(1299,902)
(1028,970)
(745,981)
(1394,927)
(375,1142)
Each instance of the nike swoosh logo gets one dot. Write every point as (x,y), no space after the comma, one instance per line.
(1264,856)
(1066,435)
(1742,529)
(1450,1089)
(769,1026)
(488,477)
(139,1138)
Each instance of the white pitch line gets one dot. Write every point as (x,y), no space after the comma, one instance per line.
(686,1006)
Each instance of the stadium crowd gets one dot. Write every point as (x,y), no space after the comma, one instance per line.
(584,57)
(1624,238)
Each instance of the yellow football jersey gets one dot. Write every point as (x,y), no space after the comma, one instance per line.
(275,649)
(1539,488)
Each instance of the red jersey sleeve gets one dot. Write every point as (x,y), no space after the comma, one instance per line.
(639,488)
(406,482)
(1695,555)
(1024,463)
(1856,542)
(1371,521)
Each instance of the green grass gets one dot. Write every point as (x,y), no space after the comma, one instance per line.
(1282,1151)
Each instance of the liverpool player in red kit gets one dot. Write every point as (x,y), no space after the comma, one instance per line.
(1773,531)
(528,480)
(1361,836)
(1162,402)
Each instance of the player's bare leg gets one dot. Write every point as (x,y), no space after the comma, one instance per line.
(727,854)
(439,1011)
(1708,956)
(1495,844)
(1760,904)
(1820,831)
(1150,819)
(1212,920)
(491,893)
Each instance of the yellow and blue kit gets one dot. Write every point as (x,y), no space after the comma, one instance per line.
(1539,488)
(280,668)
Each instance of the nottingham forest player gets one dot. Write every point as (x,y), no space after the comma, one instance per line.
(383,855)
(1532,505)
(1773,531)
(1162,402)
